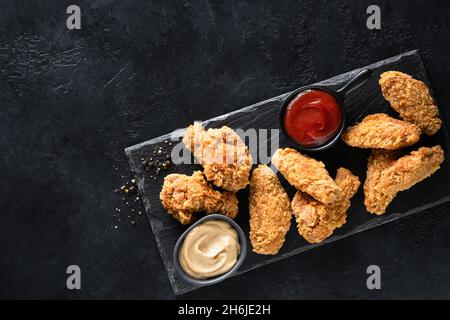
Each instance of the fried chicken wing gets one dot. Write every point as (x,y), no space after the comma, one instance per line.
(224,157)
(386,175)
(307,174)
(270,211)
(317,221)
(411,99)
(182,196)
(382,132)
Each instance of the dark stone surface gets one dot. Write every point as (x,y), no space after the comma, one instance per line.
(72,100)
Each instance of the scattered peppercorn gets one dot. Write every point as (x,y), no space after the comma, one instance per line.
(161,159)
(131,200)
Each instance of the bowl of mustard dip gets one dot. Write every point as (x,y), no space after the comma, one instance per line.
(210,250)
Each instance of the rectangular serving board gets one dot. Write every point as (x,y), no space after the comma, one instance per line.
(264,115)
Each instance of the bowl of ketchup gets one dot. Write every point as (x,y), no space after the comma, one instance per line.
(313,117)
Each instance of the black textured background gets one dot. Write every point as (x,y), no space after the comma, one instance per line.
(70,101)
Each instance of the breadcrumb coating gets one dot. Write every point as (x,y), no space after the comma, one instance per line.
(317,221)
(182,196)
(382,132)
(387,175)
(378,161)
(270,211)
(224,157)
(411,98)
(307,174)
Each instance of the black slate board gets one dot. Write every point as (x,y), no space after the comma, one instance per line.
(264,115)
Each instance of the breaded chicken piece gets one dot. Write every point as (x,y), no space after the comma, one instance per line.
(317,221)
(382,132)
(387,176)
(183,195)
(270,211)
(378,161)
(347,181)
(411,99)
(224,157)
(307,174)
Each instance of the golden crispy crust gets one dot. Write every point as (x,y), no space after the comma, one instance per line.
(411,99)
(224,157)
(270,211)
(386,176)
(307,175)
(382,132)
(347,181)
(183,195)
(317,221)
(378,161)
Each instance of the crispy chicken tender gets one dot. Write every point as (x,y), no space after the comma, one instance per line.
(386,175)
(411,99)
(223,155)
(378,161)
(270,211)
(307,174)
(317,221)
(183,195)
(382,132)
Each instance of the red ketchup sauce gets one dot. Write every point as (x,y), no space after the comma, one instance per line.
(312,117)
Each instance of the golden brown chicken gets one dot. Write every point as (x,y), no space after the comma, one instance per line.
(182,196)
(382,132)
(270,211)
(411,99)
(224,157)
(317,221)
(378,161)
(387,175)
(307,174)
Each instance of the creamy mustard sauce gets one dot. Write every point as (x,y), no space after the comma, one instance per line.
(209,250)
